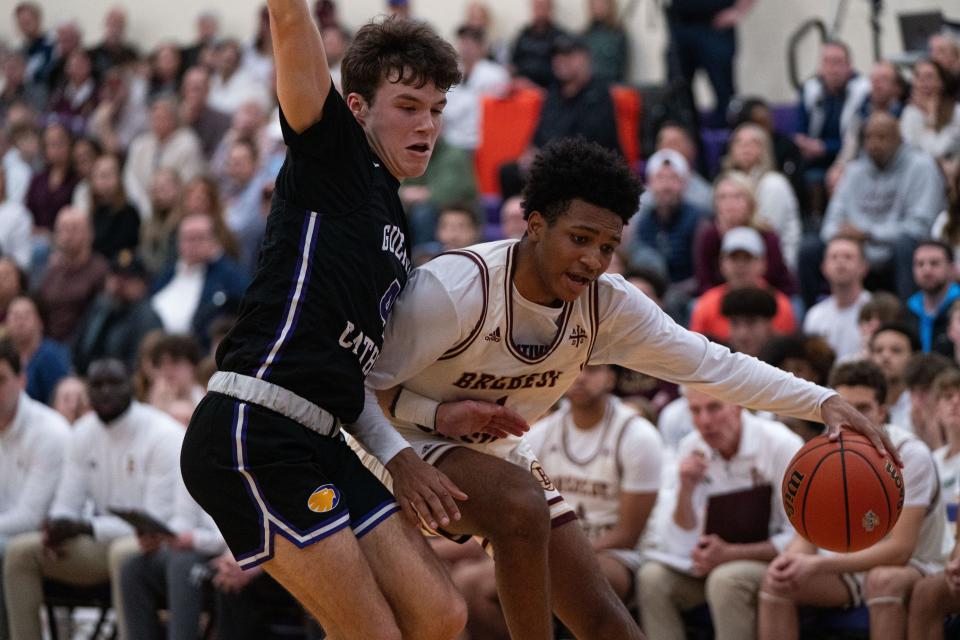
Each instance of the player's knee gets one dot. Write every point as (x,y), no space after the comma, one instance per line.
(445,619)
(721,583)
(773,591)
(930,597)
(523,514)
(652,579)
(887,581)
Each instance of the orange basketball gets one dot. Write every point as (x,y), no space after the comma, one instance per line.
(842,495)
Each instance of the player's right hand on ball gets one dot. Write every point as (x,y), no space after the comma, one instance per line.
(468,417)
(423,491)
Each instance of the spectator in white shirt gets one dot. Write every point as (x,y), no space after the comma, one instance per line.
(891,346)
(16,225)
(835,317)
(731,450)
(232,84)
(165,145)
(32,443)
(123,455)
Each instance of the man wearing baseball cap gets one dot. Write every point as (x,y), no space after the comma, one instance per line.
(742,263)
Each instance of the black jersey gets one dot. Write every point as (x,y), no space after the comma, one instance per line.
(333,259)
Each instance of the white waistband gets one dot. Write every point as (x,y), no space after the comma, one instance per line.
(276,398)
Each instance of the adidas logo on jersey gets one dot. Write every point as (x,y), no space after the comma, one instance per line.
(493,336)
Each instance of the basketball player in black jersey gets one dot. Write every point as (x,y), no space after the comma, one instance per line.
(264,454)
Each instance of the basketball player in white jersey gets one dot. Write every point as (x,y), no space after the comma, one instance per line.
(513,323)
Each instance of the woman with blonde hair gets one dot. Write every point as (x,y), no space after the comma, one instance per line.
(751,152)
(735,205)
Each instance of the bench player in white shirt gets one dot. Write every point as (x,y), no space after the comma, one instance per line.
(513,323)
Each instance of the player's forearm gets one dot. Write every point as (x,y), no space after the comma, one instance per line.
(683,514)
(886,553)
(303,77)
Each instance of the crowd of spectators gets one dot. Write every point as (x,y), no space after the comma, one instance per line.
(134,190)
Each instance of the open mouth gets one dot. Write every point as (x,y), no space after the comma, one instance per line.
(577,279)
(419,148)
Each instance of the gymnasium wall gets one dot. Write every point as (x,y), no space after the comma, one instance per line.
(761,69)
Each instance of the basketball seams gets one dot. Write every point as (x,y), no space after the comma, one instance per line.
(843,480)
(806,491)
(886,494)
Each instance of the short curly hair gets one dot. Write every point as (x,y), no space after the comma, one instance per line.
(573,168)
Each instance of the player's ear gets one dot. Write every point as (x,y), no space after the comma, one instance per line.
(358,106)
(536,225)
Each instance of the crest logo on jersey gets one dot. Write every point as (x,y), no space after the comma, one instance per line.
(389,297)
(537,470)
(493,336)
(323,499)
(578,336)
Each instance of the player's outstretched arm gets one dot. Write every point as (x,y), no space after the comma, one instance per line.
(303,77)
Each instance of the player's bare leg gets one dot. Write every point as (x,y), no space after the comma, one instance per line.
(617,574)
(317,575)
(507,506)
(931,601)
(477,581)
(887,592)
(424,600)
(582,596)
(777,617)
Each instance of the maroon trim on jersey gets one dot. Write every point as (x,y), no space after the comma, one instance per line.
(618,448)
(508,339)
(462,346)
(594,315)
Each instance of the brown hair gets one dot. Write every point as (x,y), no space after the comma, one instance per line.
(860,373)
(945,382)
(398,50)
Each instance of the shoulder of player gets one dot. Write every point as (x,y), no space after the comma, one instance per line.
(613,291)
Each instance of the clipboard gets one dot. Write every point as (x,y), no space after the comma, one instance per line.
(740,517)
(142,522)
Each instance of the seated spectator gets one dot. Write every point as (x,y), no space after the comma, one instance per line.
(880,309)
(880,577)
(85,152)
(166,145)
(889,199)
(931,122)
(844,267)
(731,450)
(242,191)
(121,113)
(174,359)
(74,276)
(68,39)
(116,222)
(607,40)
(37,45)
(44,361)
(953,331)
(805,356)
(70,399)
(944,49)
(888,92)
(533,48)
(735,206)
(613,490)
(20,159)
(52,188)
(946,227)
(577,104)
(891,347)
(14,87)
(114,50)
(207,28)
(158,234)
(751,153)
(202,195)
(667,222)
(945,395)
(13,283)
(257,56)
(750,312)
(123,455)
(786,154)
(481,77)
(828,102)
(926,310)
(249,122)
(458,227)
(742,263)
(232,84)
(201,285)
(512,224)
(165,70)
(73,102)
(208,123)
(16,225)
(919,375)
(33,441)
(119,318)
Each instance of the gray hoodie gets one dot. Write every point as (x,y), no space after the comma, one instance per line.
(902,199)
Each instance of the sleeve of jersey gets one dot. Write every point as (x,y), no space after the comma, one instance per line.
(435,311)
(641,454)
(919,474)
(636,334)
(374,432)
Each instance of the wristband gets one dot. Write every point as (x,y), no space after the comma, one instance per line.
(413,407)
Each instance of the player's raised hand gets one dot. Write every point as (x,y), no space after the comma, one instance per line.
(838,414)
(467,417)
(423,491)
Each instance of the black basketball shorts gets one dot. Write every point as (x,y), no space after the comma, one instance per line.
(260,474)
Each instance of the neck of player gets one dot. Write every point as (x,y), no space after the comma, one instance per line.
(587,416)
(528,279)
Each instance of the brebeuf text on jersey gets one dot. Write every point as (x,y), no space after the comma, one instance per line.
(481,380)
